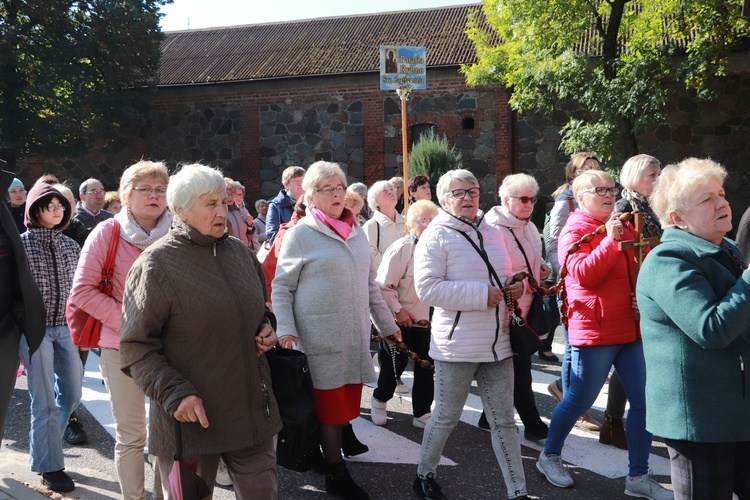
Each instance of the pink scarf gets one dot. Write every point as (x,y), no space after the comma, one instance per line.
(342,226)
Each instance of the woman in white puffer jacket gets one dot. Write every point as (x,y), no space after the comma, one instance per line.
(469,332)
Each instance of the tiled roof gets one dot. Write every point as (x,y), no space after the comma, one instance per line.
(336,45)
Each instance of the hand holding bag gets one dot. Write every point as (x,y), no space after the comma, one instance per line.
(85,330)
(523,339)
(538,316)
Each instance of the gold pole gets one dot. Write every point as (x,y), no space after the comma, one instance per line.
(405,147)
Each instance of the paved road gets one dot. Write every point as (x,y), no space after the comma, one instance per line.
(468,471)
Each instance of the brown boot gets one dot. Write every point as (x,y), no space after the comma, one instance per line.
(613,432)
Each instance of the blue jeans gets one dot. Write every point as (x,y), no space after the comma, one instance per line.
(495,384)
(589,369)
(54,375)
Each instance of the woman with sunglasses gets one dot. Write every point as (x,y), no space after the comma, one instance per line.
(602,331)
(518,195)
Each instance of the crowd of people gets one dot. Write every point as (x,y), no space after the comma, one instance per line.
(324,266)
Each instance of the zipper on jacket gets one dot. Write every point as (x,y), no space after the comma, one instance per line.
(56,281)
(214,249)
(742,375)
(497,308)
(455,324)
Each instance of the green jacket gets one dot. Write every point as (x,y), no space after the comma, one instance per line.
(695,320)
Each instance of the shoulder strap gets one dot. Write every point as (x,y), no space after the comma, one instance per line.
(482,253)
(108,270)
(520,247)
(377,225)
(571,205)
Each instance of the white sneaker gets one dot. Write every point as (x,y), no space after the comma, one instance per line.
(554,470)
(646,487)
(378,412)
(222,475)
(401,388)
(421,422)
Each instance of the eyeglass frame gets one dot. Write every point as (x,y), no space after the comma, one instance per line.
(614,191)
(525,199)
(53,208)
(469,191)
(96,192)
(143,190)
(329,190)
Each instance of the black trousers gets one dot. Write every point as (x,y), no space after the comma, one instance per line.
(423,391)
(550,302)
(523,395)
(709,471)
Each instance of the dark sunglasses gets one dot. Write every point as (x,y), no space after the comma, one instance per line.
(525,199)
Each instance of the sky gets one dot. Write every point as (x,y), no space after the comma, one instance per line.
(196,14)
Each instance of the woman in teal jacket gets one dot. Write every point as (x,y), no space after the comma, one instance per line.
(693,296)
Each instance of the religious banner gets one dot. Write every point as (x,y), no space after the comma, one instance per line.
(403,67)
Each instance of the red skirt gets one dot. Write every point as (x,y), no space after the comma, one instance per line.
(338,406)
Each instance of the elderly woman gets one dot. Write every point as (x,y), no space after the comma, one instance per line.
(518,195)
(386,224)
(637,178)
(692,294)
(215,381)
(361,189)
(565,204)
(261,207)
(602,331)
(459,264)
(142,221)
(419,188)
(324,294)
(396,280)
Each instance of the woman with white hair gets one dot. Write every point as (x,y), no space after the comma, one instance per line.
(142,221)
(325,295)
(461,266)
(361,189)
(214,380)
(693,294)
(599,303)
(386,224)
(518,196)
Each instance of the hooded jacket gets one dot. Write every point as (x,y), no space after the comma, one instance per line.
(52,256)
(27,310)
(451,276)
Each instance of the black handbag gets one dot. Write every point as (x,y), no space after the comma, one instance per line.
(523,339)
(298,441)
(538,316)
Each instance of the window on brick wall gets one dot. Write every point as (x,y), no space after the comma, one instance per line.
(419,129)
(467,123)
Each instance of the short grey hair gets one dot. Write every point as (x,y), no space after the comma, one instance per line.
(190,183)
(678,182)
(397,180)
(512,184)
(633,169)
(85,184)
(360,188)
(258,203)
(65,191)
(374,192)
(317,172)
(446,180)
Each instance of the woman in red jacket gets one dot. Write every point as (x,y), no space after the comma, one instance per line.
(602,332)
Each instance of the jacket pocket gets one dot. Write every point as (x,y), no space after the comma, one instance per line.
(455,324)
(321,333)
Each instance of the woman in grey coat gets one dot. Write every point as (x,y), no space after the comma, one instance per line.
(324,293)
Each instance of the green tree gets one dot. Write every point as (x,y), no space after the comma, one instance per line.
(431,156)
(75,73)
(612,57)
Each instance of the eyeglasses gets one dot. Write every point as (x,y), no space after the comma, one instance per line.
(96,192)
(147,191)
(602,191)
(329,190)
(461,193)
(52,207)
(525,199)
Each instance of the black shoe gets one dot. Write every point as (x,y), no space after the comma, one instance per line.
(536,434)
(319,463)
(74,433)
(483,423)
(552,359)
(340,484)
(427,488)
(58,481)
(350,445)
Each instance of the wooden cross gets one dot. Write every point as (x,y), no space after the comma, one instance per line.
(640,243)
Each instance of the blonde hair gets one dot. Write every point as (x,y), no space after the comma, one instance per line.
(586,180)
(138,172)
(573,169)
(290,173)
(417,209)
(633,169)
(678,182)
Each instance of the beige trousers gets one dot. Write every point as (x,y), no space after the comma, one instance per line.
(252,470)
(129,411)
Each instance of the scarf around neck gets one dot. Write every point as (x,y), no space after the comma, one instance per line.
(342,226)
(651,225)
(137,235)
